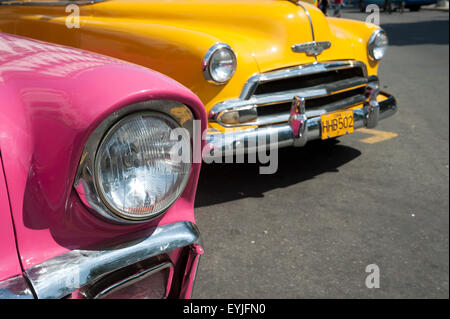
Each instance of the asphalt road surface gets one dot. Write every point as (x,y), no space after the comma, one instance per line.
(375,197)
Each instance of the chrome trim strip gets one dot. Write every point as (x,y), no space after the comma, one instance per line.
(297,2)
(60,276)
(311,25)
(15,288)
(194,276)
(192,263)
(49,3)
(309,18)
(228,142)
(127,281)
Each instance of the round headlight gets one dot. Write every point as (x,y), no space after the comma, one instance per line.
(377,45)
(219,63)
(134,174)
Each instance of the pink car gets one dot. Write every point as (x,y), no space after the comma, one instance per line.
(92,202)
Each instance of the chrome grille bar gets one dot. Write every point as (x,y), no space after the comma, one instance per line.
(301,70)
(312,81)
(284,117)
(286,96)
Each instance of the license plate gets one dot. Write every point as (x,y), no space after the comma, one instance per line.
(336,124)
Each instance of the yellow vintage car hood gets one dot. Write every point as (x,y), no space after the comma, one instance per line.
(264,29)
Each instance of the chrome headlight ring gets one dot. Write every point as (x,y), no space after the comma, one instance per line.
(377,45)
(219,64)
(87,180)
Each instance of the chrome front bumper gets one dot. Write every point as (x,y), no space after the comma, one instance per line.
(67,273)
(307,129)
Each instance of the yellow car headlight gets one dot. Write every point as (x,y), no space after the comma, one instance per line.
(219,64)
(377,45)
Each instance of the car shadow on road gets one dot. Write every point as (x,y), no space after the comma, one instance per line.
(423,32)
(221,183)
(412,33)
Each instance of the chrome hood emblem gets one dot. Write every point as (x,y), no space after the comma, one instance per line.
(311,48)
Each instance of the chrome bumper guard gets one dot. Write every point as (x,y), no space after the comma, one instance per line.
(64,274)
(299,129)
(15,288)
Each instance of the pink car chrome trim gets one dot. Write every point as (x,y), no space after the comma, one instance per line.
(15,288)
(60,276)
(195,254)
(120,281)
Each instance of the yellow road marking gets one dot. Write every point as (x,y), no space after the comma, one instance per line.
(377,136)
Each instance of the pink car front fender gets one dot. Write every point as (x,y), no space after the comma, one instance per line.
(56,96)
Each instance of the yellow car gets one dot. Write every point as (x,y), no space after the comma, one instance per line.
(261,67)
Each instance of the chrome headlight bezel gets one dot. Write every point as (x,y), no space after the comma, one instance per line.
(371,44)
(206,63)
(85,182)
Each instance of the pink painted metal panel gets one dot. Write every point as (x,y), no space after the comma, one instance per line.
(9,266)
(56,96)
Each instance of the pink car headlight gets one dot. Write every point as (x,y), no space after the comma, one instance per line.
(137,162)
(134,173)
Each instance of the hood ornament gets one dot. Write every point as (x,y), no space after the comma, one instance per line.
(311,48)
